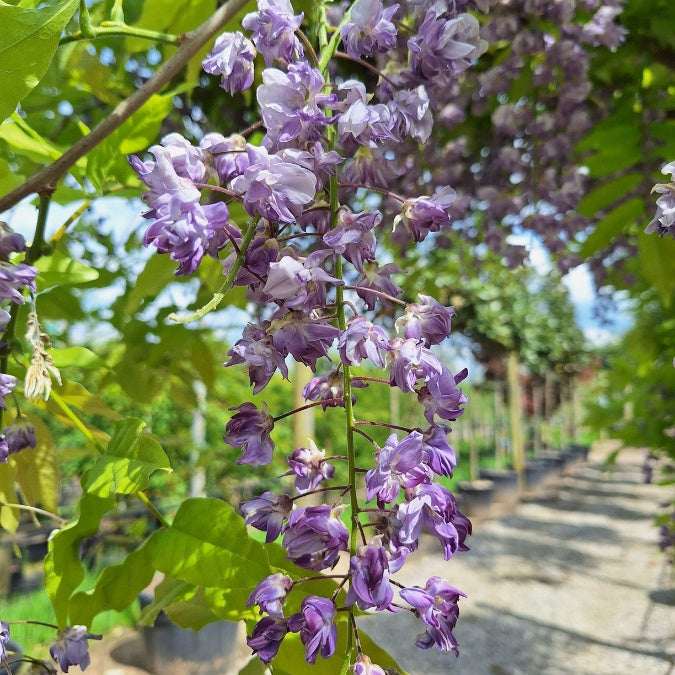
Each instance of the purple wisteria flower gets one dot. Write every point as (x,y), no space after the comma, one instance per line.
(14,278)
(314,537)
(257,350)
(300,283)
(250,429)
(353,237)
(253,273)
(274,26)
(4,450)
(398,464)
(267,513)
(445,45)
(316,625)
(232,57)
(310,468)
(10,242)
(7,384)
(427,319)
(328,388)
(370,30)
(441,397)
(364,666)
(228,155)
(4,639)
(369,578)
(410,361)
(274,186)
(601,29)
(304,338)
(411,114)
(664,220)
(436,605)
(438,453)
(432,507)
(290,104)
(72,648)
(266,637)
(365,124)
(20,435)
(363,340)
(421,215)
(270,594)
(376,278)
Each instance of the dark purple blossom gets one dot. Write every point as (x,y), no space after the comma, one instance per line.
(370,30)
(250,429)
(274,26)
(410,361)
(271,593)
(267,513)
(232,58)
(328,388)
(445,45)
(72,648)
(14,278)
(7,384)
(266,637)
(306,339)
(421,215)
(398,464)
(369,578)
(20,435)
(374,277)
(274,186)
(310,467)
(438,453)
(290,104)
(300,283)
(427,319)
(353,237)
(441,397)
(316,625)
(436,605)
(257,350)
(314,537)
(363,339)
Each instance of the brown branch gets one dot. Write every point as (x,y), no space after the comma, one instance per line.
(191,43)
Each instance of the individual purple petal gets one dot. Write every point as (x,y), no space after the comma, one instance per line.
(353,237)
(72,648)
(441,396)
(427,319)
(421,215)
(250,429)
(438,454)
(266,637)
(310,467)
(267,513)
(316,625)
(271,593)
(360,340)
(369,578)
(228,155)
(232,58)
(14,278)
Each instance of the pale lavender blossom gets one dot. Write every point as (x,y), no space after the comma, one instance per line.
(421,215)
(436,605)
(365,124)
(232,57)
(250,429)
(441,397)
(353,237)
(187,160)
(72,648)
(4,454)
(19,436)
(364,666)
(445,45)
(314,537)
(363,340)
(4,630)
(267,513)
(328,388)
(300,283)
(410,361)
(290,104)
(271,593)
(411,114)
(316,625)
(257,350)
(370,30)
(7,384)
(398,464)
(13,280)
(664,220)
(310,468)
(304,338)
(10,242)
(228,155)
(428,320)
(374,277)
(369,578)
(601,29)
(274,26)
(266,637)
(274,186)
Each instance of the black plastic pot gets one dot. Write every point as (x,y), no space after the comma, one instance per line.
(475,498)
(536,473)
(505,488)
(579,452)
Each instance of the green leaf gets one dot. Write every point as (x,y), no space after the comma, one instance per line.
(608,193)
(60,269)
(656,263)
(107,163)
(129,459)
(167,592)
(79,357)
(612,225)
(63,570)
(116,588)
(28,40)
(9,518)
(207,545)
(192,611)
(76,396)
(159,271)
(8,178)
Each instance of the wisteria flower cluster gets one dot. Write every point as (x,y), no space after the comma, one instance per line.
(664,219)
(309,259)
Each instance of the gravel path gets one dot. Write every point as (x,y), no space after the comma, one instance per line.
(569,583)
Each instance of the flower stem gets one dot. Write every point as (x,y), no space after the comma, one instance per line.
(328,401)
(384,424)
(374,188)
(114,28)
(33,509)
(368,66)
(386,296)
(344,488)
(229,281)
